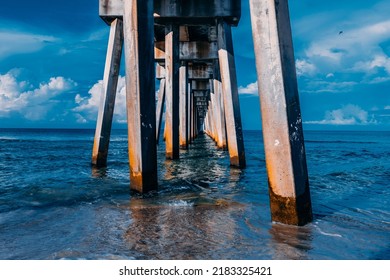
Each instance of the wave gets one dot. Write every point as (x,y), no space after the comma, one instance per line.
(340,142)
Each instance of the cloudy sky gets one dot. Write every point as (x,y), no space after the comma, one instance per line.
(52,58)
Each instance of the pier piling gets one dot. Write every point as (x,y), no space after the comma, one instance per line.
(230,95)
(172,67)
(140,93)
(107,100)
(190,43)
(183,100)
(160,108)
(280,110)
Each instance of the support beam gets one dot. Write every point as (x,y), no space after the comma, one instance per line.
(160,108)
(220,117)
(107,101)
(189,94)
(193,119)
(281,117)
(189,51)
(180,11)
(172,65)
(140,94)
(183,76)
(230,96)
(210,114)
(196,122)
(200,72)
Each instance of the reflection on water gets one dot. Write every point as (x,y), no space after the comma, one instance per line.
(179,229)
(189,217)
(290,242)
(99,172)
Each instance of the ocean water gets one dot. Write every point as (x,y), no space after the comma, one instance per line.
(54,205)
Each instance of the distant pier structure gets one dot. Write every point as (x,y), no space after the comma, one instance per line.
(187,45)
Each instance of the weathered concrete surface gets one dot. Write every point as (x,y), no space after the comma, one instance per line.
(177,10)
(172,65)
(140,94)
(191,51)
(160,108)
(201,72)
(183,76)
(230,96)
(191,117)
(192,9)
(160,71)
(189,103)
(220,116)
(200,85)
(109,10)
(200,93)
(281,117)
(107,100)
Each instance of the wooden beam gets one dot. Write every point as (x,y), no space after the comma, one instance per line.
(140,94)
(281,117)
(107,100)
(230,96)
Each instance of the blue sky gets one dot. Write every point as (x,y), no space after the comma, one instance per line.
(52,58)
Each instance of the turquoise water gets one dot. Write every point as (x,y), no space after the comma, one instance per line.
(53,205)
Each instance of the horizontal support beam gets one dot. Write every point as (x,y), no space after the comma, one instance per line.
(194,51)
(200,72)
(200,85)
(200,93)
(178,10)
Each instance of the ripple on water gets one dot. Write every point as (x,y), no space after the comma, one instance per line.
(53,205)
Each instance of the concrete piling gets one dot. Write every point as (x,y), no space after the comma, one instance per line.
(107,100)
(172,66)
(230,96)
(140,93)
(160,107)
(194,52)
(220,116)
(281,117)
(183,78)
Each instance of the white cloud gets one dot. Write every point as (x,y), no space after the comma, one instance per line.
(250,89)
(305,68)
(387,107)
(87,107)
(97,35)
(80,119)
(378,80)
(353,42)
(330,75)
(17,42)
(373,64)
(31,102)
(347,115)
(320,86)
(359,49)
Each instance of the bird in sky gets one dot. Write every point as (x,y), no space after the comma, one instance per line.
(341,32)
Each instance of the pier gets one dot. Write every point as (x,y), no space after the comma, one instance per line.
(188,47)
